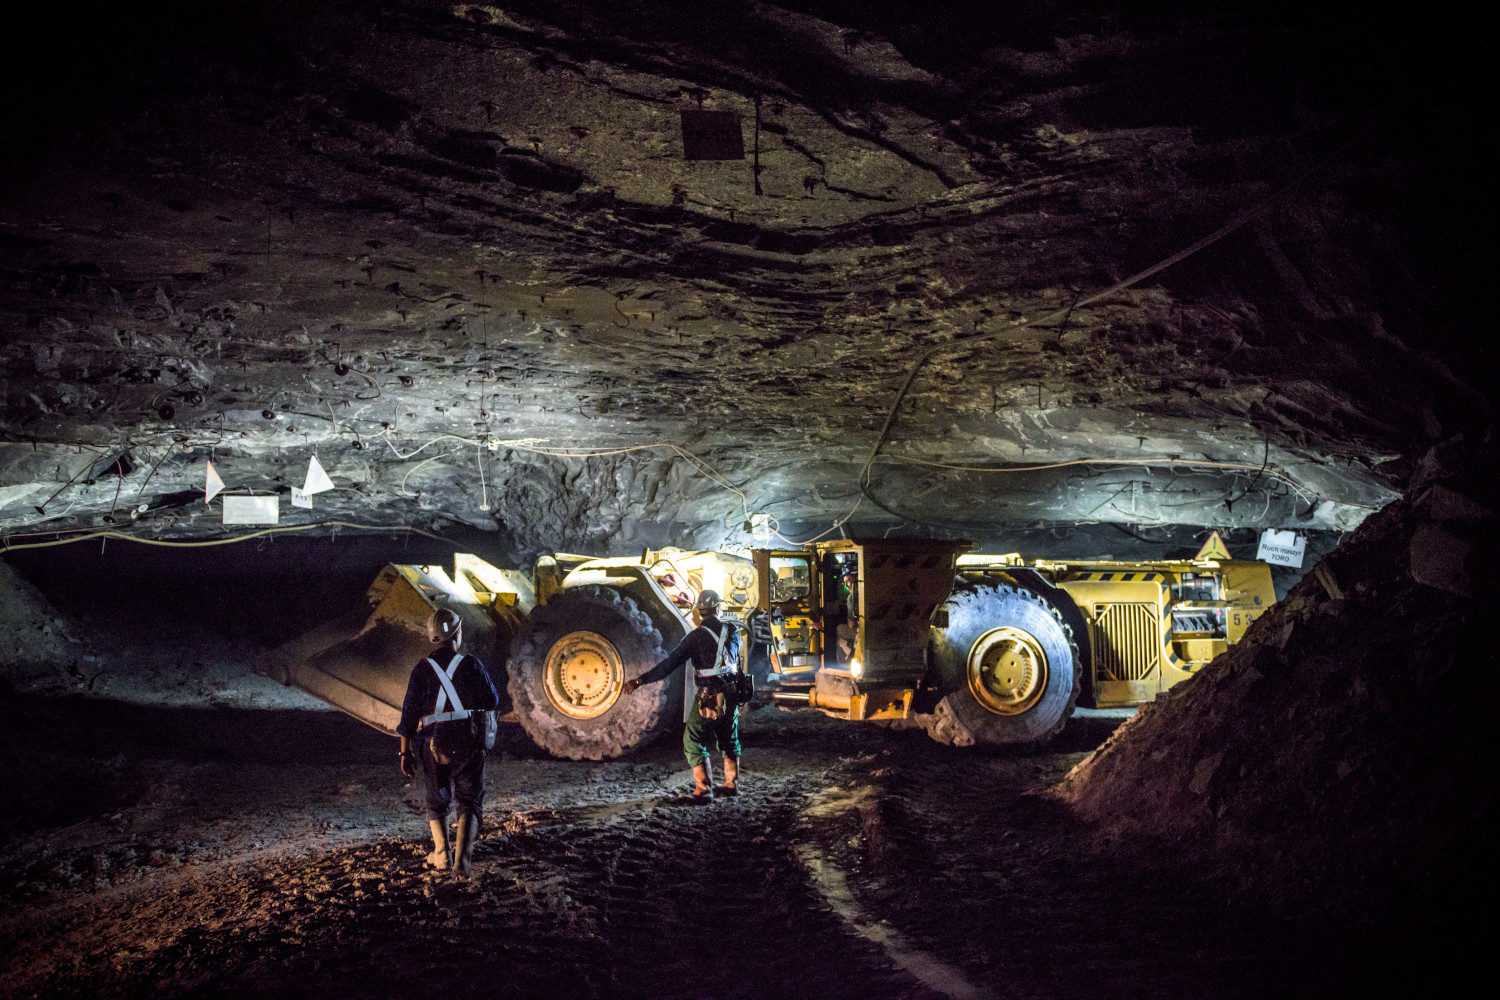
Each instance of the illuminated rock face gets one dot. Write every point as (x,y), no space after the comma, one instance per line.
(430,243)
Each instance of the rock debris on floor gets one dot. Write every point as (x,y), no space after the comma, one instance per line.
(859,862)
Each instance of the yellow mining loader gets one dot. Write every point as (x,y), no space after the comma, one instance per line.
(991,649)
(974,648)
(561,641)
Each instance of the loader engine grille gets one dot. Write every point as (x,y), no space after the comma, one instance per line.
(1127,641)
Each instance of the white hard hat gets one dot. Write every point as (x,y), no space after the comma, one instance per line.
(443,626)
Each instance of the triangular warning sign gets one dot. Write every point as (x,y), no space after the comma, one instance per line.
(317,480)
(1213,549)
(212,484)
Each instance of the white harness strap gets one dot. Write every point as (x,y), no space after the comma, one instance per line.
(449,694)
(719,666)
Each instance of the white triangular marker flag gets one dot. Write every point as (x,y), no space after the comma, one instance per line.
(301,498)
(212,484)
(317,480)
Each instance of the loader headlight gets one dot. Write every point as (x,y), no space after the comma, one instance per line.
(856,669)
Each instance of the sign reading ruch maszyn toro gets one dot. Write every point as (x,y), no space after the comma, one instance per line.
(1281,548)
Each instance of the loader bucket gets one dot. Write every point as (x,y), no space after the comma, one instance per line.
(360,662)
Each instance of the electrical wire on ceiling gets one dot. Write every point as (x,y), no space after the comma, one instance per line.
(525,447)
(773,525)
(7,546)
(865,477)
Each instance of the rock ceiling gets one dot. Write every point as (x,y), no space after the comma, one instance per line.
(431,243)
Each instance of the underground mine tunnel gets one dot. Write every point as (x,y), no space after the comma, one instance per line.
(1083,412)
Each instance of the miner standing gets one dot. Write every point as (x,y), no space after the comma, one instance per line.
(440,726)
(714,649)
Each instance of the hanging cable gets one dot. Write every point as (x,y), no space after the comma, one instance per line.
(484,503)
(1262,469)
(208,543)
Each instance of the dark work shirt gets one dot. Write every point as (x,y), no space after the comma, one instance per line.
(470,680)
(700,645)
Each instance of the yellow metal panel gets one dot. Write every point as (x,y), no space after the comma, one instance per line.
(510,586)
(1127,632)
(900,585)
(1120,694)
(887,704)
(1199,650)
(1248,588)
(1126,640)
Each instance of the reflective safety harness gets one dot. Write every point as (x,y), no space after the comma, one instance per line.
(720,667)
(448,695)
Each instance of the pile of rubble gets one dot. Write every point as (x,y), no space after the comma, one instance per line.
(39,649)
(1338,764)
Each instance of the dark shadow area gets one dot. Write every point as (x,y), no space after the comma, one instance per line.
(92,752)
(263,591)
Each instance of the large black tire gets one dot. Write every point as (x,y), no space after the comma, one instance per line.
(633,719)
(1001,619)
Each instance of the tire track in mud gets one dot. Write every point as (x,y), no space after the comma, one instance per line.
(982,888)
(833,884)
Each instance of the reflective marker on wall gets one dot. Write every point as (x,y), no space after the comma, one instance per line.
(317,480)
(212,484)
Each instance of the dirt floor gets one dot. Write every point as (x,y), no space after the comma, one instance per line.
(175,852)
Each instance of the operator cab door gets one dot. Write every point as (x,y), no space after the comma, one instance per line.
(789,592)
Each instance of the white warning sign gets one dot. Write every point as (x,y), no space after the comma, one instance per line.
(1282,548)
(250,509)
(301,498)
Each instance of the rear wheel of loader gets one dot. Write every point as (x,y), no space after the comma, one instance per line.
(1009,666)
(568,668)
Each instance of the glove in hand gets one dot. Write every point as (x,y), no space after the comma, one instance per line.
(408,765)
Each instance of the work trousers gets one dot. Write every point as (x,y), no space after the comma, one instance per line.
(458,782)
(701,735)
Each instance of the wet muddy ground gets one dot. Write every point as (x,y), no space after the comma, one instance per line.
(182,853)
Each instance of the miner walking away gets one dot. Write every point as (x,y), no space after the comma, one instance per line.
(447,722)
(714,649)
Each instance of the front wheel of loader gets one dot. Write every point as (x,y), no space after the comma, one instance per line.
(568,669)
(1009,667)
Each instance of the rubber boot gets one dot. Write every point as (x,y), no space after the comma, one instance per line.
(438,859)
(703,783)
(731,775)
(463,851)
